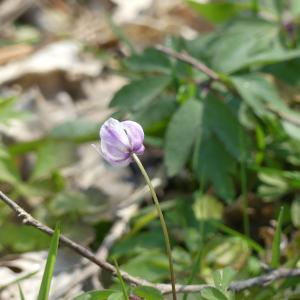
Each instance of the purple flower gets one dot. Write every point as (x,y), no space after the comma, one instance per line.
(119,140)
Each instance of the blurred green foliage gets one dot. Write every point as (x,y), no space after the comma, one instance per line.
(209,133)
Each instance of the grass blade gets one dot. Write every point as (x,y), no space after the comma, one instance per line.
(48,272)
(125,295)
(22,297)
(276,242)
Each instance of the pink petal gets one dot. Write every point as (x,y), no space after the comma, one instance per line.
(135,134)
(112,132)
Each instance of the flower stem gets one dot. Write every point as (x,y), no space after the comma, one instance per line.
(162,221)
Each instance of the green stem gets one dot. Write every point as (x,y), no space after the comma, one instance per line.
(162,221)
(124,292)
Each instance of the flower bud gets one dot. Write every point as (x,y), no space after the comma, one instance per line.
(119,140)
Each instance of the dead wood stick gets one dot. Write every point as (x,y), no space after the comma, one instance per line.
(189,60)
(164,288)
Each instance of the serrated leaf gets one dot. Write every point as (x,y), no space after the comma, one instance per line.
(52,155)
(148,293)
(212,162)
(49,268)
(139,93)
(181,134)
(95,295)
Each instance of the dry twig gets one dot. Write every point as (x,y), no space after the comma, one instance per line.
(189,60)
(185,57)
(164,288)
(127,209)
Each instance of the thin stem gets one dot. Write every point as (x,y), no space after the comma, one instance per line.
(125,294)
(162,221)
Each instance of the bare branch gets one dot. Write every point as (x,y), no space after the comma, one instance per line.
(125,211)
(236,286)
(189,60)
(265,279)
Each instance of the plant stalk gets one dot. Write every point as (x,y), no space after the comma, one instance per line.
(162,221)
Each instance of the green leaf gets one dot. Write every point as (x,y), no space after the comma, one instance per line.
(151,60)
(9,172)
(95,295)
(48,272)
(181,134)
(3,152)
(212,293)
(77,131)
(212,162)
(139,93)
(116,296)
(223,278)
(275,263)
(148,293)
(257,92)
(151,265)
(294,8)
(8,111)
(244,43)
(295,212)
(218,117)
(154,118)
(22,238)
(207,207)
(218,11)
(52,155)
(250,243)
(286,71)
(73,203)
(226,251)
(292,130)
